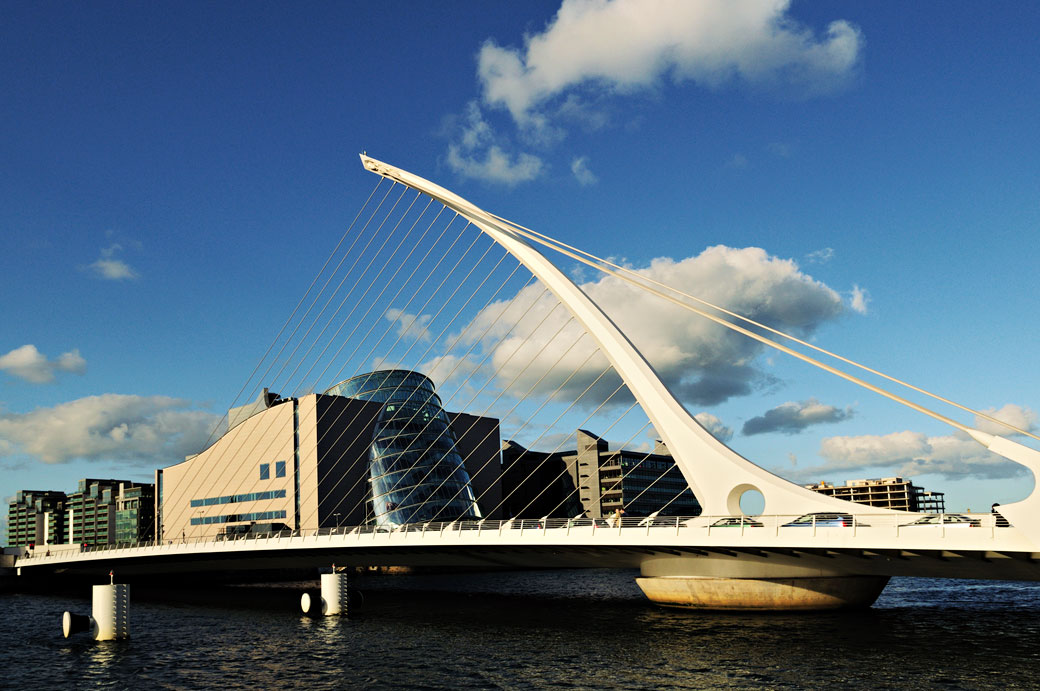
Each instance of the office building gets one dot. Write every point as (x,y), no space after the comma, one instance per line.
(99,512)
(36,518)
(374,449)
(594,481)
(885,493)
(106,512)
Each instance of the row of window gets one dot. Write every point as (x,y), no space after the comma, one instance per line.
(238,517)
(265,470)
(235,498)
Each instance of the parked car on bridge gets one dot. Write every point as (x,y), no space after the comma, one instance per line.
(824,520)
(736,522)
(949,520)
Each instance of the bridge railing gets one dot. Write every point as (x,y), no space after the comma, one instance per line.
(889,525)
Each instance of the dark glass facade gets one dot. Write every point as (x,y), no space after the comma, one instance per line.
(415,472)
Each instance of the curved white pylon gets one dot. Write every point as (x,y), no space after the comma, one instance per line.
(717,474)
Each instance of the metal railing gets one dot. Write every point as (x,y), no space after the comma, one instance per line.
(826,524)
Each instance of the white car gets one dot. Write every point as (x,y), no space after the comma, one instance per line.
(948,520)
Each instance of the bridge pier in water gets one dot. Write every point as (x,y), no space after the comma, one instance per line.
(722,583)
(334,598)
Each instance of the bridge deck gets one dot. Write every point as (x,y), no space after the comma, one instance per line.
(875,545)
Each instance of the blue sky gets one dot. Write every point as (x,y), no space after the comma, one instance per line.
(175,175)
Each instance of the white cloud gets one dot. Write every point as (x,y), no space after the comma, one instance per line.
(821,256)
(701,362)
(580,169)
(593,50)
(628,45)
(714,426)
(859,299)
(912,453)
(794,416)
(780,149)
(30,364)
(109,268)
(475,155)
(147,429)
(1016,415)
(411,325)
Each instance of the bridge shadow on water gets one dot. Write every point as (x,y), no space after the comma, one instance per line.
(558,629)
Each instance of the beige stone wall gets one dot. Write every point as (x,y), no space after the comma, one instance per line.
(309,497)
(232,466)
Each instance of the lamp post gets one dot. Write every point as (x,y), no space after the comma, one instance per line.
(337,517)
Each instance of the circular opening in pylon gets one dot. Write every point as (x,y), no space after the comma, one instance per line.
(746,499)
(752,503)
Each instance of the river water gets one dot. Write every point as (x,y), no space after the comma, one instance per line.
(530,630)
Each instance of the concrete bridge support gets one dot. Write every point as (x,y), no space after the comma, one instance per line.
(334,598)
(725,583)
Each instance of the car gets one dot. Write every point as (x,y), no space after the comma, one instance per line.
(947,520)
(824,520)
(736,522)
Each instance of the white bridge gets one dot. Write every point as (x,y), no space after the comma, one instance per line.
(779,559)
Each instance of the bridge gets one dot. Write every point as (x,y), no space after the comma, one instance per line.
(804,551)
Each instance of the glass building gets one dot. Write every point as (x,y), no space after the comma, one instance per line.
(415,471)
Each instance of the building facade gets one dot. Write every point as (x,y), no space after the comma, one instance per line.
(885,493)
(374,449)
(99,512)
(36,518)
(594,481)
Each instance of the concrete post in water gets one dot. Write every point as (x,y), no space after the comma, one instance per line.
(334,597)
(110,613)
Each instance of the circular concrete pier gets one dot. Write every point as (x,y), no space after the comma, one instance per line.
(764,594)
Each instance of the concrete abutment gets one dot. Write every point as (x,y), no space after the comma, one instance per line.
(726,583)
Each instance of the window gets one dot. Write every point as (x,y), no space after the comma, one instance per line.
(265,471)
(279,469)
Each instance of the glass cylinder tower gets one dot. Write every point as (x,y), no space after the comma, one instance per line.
(415,471)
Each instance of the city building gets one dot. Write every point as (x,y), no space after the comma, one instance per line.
(885,493)
(594,481)
(36,518)
(99,512)
(374,449)
(106,512)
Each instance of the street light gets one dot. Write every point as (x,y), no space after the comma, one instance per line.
(336,516)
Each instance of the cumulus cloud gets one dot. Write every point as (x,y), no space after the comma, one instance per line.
(533,343)
(859,299)
(414,325)
(628,45)
(592,51)
(475,155)
(147,429)
(912,453)
(1016,415)
(794,416)
(30,364)
(109,268)
(580,169)
(715,426)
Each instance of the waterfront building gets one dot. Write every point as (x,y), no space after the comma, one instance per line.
(99,512)
(593,481)
(36,518)
(105,512)
(885,493)
(374,449)
(415,471)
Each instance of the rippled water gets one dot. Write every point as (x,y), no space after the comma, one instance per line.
(559,629)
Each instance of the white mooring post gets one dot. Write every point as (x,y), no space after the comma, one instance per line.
(334,597)
(110,613)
